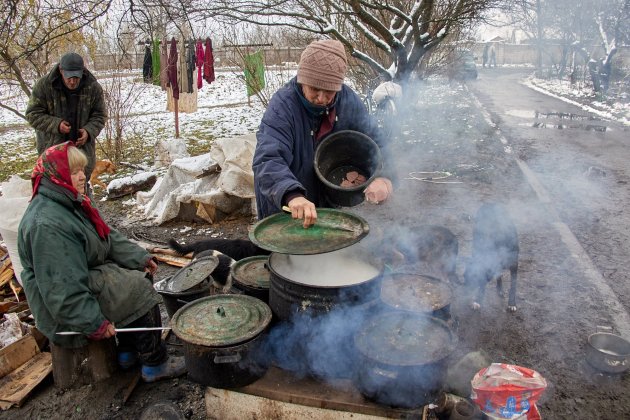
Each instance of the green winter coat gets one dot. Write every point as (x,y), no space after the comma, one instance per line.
(72,278)
(47,107)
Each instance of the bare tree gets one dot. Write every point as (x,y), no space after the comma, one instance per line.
(34,33)
(390,36)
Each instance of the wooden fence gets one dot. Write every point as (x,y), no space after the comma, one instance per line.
(507,54)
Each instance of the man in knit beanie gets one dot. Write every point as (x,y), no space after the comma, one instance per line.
(311,106)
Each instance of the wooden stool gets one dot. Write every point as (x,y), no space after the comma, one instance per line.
(84,365)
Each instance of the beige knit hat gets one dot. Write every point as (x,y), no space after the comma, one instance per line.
(323,65)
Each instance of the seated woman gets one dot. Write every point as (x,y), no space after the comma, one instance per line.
(81,275)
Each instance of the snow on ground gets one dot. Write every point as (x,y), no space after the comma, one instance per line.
(223,111)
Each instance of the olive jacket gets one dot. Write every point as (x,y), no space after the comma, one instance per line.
(72,278)
(48,106)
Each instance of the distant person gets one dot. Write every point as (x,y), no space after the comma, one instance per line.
(80,275)
(493,57)
(485,55)
(68,105)
(311,106)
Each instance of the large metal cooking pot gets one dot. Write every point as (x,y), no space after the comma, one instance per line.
(608,352)
(417,293)
(315,284)
(188,284)
(222,335)
(402,358)
(251,275)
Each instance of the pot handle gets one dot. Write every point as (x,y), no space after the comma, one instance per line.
(604,329)
(386,373)
(231,358)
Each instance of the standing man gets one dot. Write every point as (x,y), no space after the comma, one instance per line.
(309,107)
(68,105)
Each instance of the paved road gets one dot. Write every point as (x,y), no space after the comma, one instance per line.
(576,163)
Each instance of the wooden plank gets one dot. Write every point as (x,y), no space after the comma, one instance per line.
(340,394)
(174,261)
(16,354)
(234,405)
(17,385)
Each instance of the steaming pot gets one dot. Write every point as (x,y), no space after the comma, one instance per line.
(315,284)
(222,336)
(402,358)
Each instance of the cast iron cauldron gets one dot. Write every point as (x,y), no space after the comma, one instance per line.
(402,358)
(315,284)
(417,293)
(340,153)
(251,276)
(222,335)
(188,284)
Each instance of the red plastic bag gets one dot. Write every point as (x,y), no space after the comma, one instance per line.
(504,391)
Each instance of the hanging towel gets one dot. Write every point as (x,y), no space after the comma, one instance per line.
(254,72)
(182,68)
(147,69)
(164,64)
(200,55)
(172,69)
(208,65)
(155,59)
(191,62)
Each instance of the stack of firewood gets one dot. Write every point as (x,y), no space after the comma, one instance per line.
(9,286)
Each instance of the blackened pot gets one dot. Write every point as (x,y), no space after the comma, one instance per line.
(402,358)
(316,284)
(251,276)
(342,152)
(222,336)
(175,300)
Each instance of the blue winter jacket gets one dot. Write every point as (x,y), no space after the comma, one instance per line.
(285,150)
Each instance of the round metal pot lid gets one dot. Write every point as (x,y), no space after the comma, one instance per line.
(402,338)
(334,229)
(221,320)
(252,272)
(192,274)
(161,287)
(415,292)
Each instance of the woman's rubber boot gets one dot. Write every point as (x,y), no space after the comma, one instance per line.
(172,368)
(127,359)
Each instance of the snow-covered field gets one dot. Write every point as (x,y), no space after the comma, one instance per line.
(223,111)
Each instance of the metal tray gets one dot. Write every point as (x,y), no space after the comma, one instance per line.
(334,229)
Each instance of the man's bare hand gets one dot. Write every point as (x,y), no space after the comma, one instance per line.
(64,127)
(83,137)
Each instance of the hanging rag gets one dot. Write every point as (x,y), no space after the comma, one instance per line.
(191,62)
(182,69)
(147,69)
(164,64)
(200,56)
(208,65)
(155,59)
(172,69)
(254,72)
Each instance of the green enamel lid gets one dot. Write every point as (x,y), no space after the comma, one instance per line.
(221,320)
(252,272)
(334,229)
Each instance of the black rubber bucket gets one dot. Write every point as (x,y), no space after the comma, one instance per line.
(342,152)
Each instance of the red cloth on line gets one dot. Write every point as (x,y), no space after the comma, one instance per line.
(172,69)
(200,58)
(208,66)
(53,165)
